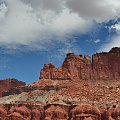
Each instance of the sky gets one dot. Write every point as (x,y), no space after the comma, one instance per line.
(35,32)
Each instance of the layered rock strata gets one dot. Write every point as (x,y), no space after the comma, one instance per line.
(56,112)
(103,66)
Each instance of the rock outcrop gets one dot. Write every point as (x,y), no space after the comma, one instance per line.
(3,112)
(56,112)
(6,85)
(22,112)
(103,66)
(85,112)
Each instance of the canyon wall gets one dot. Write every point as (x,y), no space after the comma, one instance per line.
(104,66)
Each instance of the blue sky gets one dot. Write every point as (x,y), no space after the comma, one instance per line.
(35,32)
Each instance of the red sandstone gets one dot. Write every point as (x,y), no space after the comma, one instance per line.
(104,66)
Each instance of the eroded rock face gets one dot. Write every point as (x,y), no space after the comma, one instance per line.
(6,85)
(115,114)
(105,66)
(22,112)
(56,113)
(37,112)
(104,114)
(3,113)
(15,116)
(33,112)
(85,112)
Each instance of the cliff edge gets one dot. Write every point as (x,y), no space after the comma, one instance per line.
(102,66)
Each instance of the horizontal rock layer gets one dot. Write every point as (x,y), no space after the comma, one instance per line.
(103,66)
(32,111)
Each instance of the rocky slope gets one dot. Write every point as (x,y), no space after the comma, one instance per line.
(80,89)
(103,66)
(64,100)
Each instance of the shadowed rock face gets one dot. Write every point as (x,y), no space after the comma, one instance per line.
(6,85)
(115,114)
(105,66)
(105,114)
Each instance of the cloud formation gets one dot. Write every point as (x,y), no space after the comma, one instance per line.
(100,10)
(114,41)
(31,22)
(37,23)
(97,41)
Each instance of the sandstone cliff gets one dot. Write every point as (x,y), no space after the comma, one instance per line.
(105,66)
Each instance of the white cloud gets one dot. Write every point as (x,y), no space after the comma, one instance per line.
(29,23)
(116,27)
(3,10)
(114,41)
(35,24)
(97,41)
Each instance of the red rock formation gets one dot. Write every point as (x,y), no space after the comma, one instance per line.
(15,116)
(115,114)
(6,85)
(104,65)
(31,111)
(56,113)
(24,111)
(104,114)
(3,113)
(107,65)
(85,112)
(36,114)
(27,111)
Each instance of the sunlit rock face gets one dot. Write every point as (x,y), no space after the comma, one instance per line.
(107,65)
(103,66)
